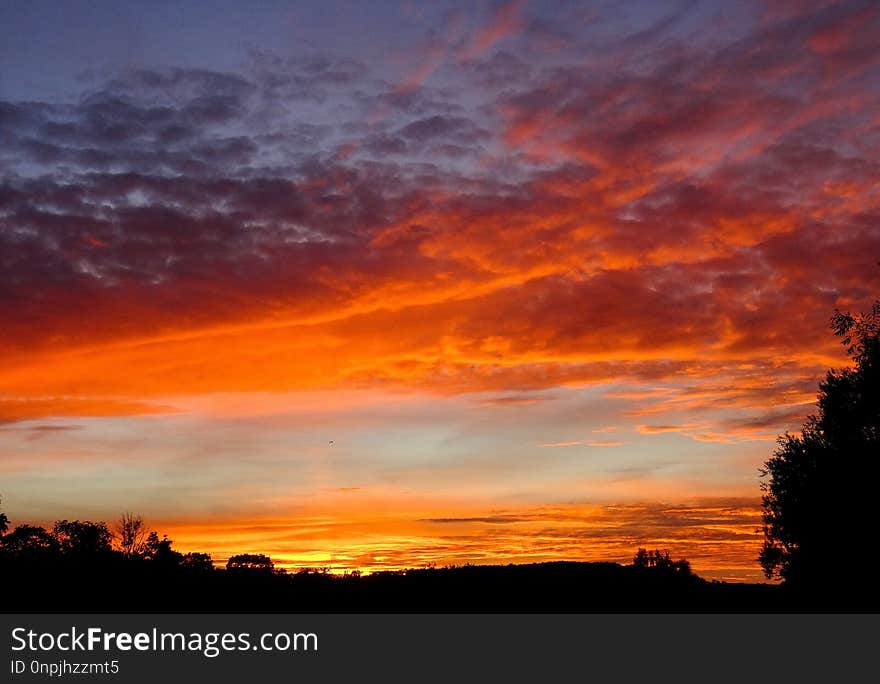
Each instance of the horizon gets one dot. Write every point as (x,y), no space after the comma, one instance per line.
(372,287)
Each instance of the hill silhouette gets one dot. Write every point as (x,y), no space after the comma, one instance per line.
(117,586)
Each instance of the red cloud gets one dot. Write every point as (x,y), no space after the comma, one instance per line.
(692,218)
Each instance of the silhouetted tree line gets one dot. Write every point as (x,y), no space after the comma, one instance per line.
(87,542)
(85,566)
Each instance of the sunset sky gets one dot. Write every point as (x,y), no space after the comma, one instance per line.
(375,284)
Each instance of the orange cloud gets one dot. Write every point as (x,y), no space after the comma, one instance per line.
(607,443)
(685,223)
(35,408)
(660,429)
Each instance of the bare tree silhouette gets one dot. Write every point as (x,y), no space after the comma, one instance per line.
(132,534)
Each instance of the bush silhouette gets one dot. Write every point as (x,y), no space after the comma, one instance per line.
(820,486)
(250,562)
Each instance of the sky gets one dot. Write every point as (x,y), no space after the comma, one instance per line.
(377,285)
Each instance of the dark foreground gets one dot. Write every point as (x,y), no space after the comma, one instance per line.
(560,587)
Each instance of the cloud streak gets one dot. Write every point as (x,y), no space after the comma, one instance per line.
(604,443)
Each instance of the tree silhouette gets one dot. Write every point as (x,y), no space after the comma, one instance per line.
(818,502)
(82,537)
(4,521)
(27,541)
(159,550)
(661,561)
(250,561)
(132,534)
(201,562)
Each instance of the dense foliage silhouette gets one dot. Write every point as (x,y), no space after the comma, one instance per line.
(28,543)
(82,538)
(820,487)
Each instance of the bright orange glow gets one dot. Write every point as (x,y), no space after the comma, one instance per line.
(717,536)
(522,284)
